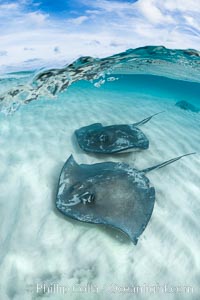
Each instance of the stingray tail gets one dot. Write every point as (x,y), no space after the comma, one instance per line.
(147,119)
(168,162)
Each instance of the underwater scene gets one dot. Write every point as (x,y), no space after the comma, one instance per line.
(100,181)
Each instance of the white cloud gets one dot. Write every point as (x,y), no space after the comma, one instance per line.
(181,5)
(152,13)
(78,21)
(3,53)
(37,17)
(113,25)
(13,16)
(93,12)
(10,6)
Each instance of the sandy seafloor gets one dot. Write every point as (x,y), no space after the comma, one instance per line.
(39,245)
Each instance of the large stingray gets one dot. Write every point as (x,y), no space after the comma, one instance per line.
(108,193)
(97,138)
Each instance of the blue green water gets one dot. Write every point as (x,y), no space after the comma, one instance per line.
(157,86)
(172,73)
(40,110)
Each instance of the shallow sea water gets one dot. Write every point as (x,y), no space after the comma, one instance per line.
(39,246)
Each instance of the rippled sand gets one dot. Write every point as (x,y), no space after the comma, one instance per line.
(38,244)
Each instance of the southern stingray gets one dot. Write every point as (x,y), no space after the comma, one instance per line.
(97,138)
(187,106)
(108,193)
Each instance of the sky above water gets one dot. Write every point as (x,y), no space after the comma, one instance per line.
(38,33)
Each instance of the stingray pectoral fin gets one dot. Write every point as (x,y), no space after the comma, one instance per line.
(85,129)
(71,162)
(69,170)
(134,239)
(165,163)
(125,231)
(132,233)
(147,119)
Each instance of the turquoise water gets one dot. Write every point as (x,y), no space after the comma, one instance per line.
(181,65)
(39,112)
(155,86)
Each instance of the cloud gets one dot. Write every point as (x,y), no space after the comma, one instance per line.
(56,49)
(98,28)
(171,23)
(9,6)
(3,53)
(28,49)
(37,18)
(32,60)
(78,21)
(153,13)
(15,16)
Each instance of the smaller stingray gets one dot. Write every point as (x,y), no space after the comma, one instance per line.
(187,106)
(97,138)
(108,193)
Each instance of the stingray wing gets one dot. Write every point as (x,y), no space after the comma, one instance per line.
(106,193)
(111,139)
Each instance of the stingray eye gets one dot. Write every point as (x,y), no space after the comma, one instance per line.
(103,138)
(87,197)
